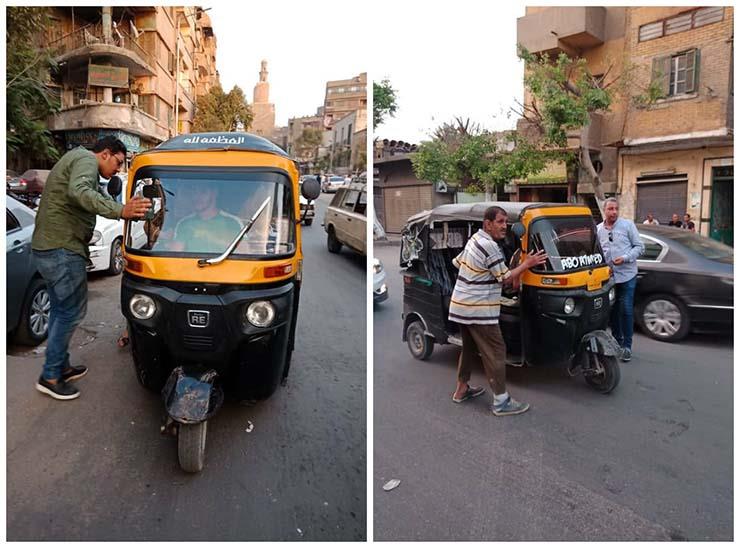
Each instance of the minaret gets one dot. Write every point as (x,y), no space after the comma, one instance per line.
(263,111)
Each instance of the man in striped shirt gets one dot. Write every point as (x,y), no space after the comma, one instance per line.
(475,305)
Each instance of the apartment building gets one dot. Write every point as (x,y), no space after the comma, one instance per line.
(133,72)
(343,97)
(670,155)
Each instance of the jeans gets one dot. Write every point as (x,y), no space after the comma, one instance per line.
(622,315)
(65,274)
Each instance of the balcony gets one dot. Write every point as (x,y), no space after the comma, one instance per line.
(562,29)
(78,48)
(119,116)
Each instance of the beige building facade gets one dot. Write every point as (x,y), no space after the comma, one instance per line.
(132,72)
(343,97)
(671,155)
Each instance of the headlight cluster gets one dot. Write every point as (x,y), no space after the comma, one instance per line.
(569,306)
(260,313)
(96,237)
(377,266)
(142,307)
(612,295)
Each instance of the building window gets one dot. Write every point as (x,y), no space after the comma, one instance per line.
(681,22)
(677,74)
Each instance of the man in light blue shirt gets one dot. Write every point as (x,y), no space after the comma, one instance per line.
(621,244)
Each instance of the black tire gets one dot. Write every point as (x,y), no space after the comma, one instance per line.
(116,258)
(334,245)
(420,345)
(664,318)
(609,379)
(191,446)
(308,222)
(33,327)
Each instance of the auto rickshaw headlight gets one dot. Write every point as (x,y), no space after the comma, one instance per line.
(612,295)
(260,313)
(377,266)
(570,305)
(142,307)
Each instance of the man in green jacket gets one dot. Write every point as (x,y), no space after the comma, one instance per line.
(64,225)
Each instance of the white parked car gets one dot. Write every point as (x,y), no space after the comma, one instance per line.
(106,244)
(380,290)
(332,183)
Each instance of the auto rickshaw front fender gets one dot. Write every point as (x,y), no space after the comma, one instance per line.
(600,342)
(191,397)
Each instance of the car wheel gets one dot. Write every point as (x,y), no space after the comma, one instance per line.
(332,243)
(664,318)
(420,344)
(33,327)
(116,258)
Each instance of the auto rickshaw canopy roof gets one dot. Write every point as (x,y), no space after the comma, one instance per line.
(227,140)
(475,211)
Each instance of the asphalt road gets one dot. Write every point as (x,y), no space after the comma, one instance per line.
(651,461)
(97,468)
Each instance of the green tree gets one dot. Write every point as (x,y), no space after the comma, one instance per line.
(219,111)
(565,98)
(307,144)
(384,102)
(462,153)
(29,99)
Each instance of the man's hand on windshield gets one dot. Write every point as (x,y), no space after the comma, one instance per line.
(136,208)
(534,259)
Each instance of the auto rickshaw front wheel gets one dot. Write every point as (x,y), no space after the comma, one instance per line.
(191,446)
(420,344)
(608,375)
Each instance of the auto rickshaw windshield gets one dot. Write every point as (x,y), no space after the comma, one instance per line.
(570,243)
(197,213)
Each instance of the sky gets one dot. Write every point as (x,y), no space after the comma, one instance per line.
(458,63)
(305,45)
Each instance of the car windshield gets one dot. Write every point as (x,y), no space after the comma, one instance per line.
(200,213)
(570,243)
(708,248)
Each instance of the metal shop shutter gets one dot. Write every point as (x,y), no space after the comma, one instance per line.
(403,202)
(662,198)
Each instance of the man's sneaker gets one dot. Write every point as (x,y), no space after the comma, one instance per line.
(626,354)
(73,373)
(509,407)
(471,392)
(59,391)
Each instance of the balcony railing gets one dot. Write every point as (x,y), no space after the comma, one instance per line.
(92,34)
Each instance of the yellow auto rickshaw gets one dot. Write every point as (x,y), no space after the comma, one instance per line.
(558,315)
(212,283)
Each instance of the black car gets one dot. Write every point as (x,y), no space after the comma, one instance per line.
(684,281)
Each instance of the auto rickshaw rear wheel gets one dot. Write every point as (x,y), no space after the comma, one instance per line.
(191,446)
(420,344)
(608,379)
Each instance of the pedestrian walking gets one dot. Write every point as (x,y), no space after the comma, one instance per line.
(621,244)
(650,220)
(688,224)
(64,225)
(475,305)
(675,221)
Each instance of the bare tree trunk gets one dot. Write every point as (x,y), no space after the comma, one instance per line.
(489,194)
(588,164)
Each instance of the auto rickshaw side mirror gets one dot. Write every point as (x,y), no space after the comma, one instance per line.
(150,191)
(310,189)
(115,185)
(518,230)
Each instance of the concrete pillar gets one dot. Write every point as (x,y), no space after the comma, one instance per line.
(107,25)
(107,95)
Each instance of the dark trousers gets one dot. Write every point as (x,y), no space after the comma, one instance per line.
(622,319)
(487,341)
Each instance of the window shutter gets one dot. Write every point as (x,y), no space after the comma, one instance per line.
(662,74)
(693,86)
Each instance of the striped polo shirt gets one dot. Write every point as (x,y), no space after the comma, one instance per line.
(476,298)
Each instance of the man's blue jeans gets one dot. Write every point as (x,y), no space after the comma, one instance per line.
(65,274)
(622,315)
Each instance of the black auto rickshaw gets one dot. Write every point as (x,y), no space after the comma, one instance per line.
(556,318)
(211,293)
